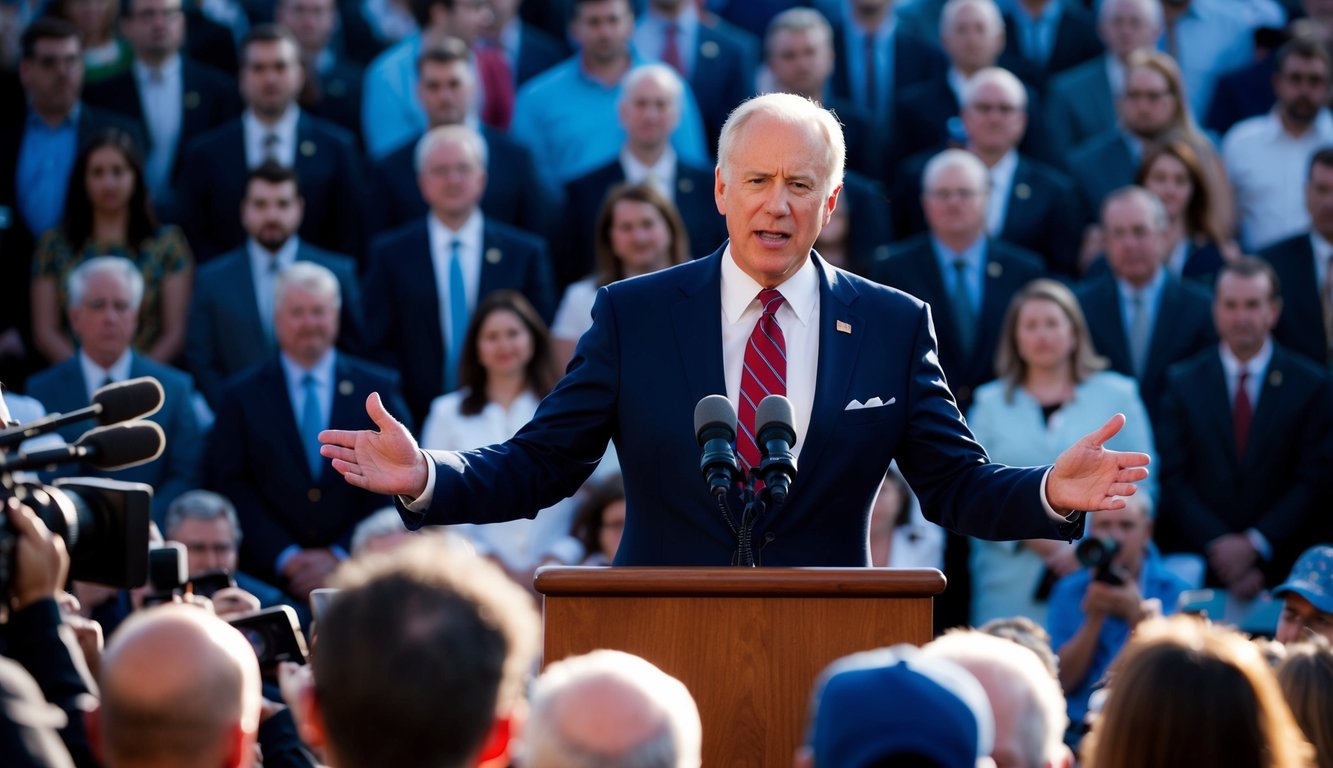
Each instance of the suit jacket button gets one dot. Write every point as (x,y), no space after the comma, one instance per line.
(313,494)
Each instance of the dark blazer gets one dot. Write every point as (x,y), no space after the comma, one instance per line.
(874,342)
(62,388)
(1076,41)
(403,308)
(1280,484)
(226,334)
(212,183)
(1100,166)
(865,151)
(723,75)
(869,225)
(513,191)
(537,52)
(208,42)
(1300,327)
(1079,105)
(1184,328)
(340,96)
(924,110)
(1241,93)
(583,201)
(913,61)
(255,458)
(1203,260)
(912,267)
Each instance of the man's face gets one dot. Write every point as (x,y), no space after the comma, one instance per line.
(53,77)
(1320,10)
(1298,616)
(1319,199)
(955,203)
(1302,88)
(1128,27)
(445,91)
(155,28)
(211,544)
(994,121)
(972,40)
(649,113)
(1244,311)
(1129,528)
(271,77)
(603,30)
(310,21)
(775,194)
(105,320)
(271,213)
(801,61)
(468,21)
(1135,245)
(452,180)
(1147,105)
(305,324)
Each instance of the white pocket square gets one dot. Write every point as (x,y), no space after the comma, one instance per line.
(873,402)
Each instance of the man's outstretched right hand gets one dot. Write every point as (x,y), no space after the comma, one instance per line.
(387,461)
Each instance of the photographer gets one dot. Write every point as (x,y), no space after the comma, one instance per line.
(1090,615)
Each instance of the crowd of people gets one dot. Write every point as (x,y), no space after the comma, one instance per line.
(278,209)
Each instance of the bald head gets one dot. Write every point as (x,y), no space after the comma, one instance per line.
(179,687)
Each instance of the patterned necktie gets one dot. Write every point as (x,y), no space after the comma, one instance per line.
(312,422)
(458,316)
(764,374)
(1242,413)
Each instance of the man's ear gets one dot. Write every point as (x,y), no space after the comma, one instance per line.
(495,750)
(310,725)
(240,747)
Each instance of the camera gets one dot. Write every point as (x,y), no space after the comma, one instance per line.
(1097,554)
(275,634)
(168,570)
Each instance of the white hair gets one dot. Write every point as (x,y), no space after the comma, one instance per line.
(995,76)
(798,20)
(201,505)
(661,74)
(461,134)
(1156,210)
(956,158)
(789,108)
(310,277)
(989,11)
(118,267)
(1151,8)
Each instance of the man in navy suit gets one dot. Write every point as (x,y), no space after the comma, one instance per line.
(296,516)
(273,127)
(427,276)
(1051,36)
(1304,264)
(332,88)
(1246,440)
(861,375)
(104,295)
(231,313)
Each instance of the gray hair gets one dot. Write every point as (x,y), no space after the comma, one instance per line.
(798,20)
(310,277)
(661,74)
(1156,210)
(1151,8)
(989,10)
(956,158)
(462,134)
(995,76)
(201,505)
(788,108)
(676,744)
(118,267)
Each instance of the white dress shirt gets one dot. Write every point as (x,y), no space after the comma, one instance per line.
(469,237)
(1266,166)
(256,138)
(1001,182)
(264,269)
(661,174)
(94,375)
(161,92)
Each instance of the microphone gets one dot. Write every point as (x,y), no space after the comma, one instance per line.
(119,446)
(112,404)
(776,435)
(715,429)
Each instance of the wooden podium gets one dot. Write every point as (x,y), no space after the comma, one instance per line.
(747,642)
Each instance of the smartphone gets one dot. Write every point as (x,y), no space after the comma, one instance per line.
(319,601)
(209,583)
(275,634)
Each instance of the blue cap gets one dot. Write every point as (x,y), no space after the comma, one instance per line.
(1312,578)
(896,701)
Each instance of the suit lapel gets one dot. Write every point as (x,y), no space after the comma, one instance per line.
(1270,404)
(996,290)
(698,330)
(1164,330)
(276,408)
(838,354)
(247,324)
(1106,302)
(1210,399)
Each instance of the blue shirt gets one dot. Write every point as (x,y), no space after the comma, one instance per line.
(1036,36)
(975,256)
(1210,38)
(390,113)
(46,157)
(882,107)
(1152,297)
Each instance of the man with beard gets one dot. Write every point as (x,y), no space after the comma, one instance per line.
(231,315)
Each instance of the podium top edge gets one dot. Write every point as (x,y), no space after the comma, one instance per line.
(555,581)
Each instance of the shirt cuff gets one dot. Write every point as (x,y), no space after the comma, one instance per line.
(1046,504)
(1260,543)
(422,503)
(284,556)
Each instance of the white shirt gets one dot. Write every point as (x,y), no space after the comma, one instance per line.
(94,375)
(256,138)
(1254,368)
(1323,251)
(1175,261)
(161,92)
(574,317)
(661,174)
(469,256)
(1267,167)
(1115,74)
(264,269)
(1001,182)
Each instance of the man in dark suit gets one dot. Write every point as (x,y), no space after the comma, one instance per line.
(1246,439)
(332,89)
(1141,317)
(273,127)
(427,276)
(297,517)
(863,383)
(1051,36)
(446,86)
(1304,264)
(649,111)
(231,313)
(104,295)
(528,50)
(171,98)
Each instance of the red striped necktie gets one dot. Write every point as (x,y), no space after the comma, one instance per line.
(764,374)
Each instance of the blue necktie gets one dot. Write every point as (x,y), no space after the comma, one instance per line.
(458,317)
(312,422)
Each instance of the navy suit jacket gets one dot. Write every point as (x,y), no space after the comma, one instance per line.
(1280,484)
(1100,166)
(1241,93)
(1184,328)
(913,61)
(537,52)
(212,183)
(403,307)
(655,349)
(912,267)
(1300,327)
(226,334)
(255,458)
(340,96)
(62,388)
(723,75)
(1076,41)
(869,225)
(1079,105)
(923,113)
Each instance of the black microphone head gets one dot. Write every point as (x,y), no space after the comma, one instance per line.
(129,399)
(774,412)
(712,413)
(121,446)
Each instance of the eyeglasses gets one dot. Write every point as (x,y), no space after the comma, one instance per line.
(986,108)
(945,195)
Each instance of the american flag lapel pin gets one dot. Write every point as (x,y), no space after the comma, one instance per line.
(843,327)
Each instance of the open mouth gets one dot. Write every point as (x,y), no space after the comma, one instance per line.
(773,238)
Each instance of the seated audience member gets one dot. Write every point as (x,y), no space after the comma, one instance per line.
(332,88)
(1303,266)
(107,213)
(1172,171)
(897,706)
(1091,616)
(1246,439)
(610,708)
(206,524)
(1052,387)
(231,314)
(1027,703)
(179,687)
(1190,693)
(649,110)
(450,639)
(105,294)
(263,453)
(637,231)
(1307,597)
(1306,678)
(600,520)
